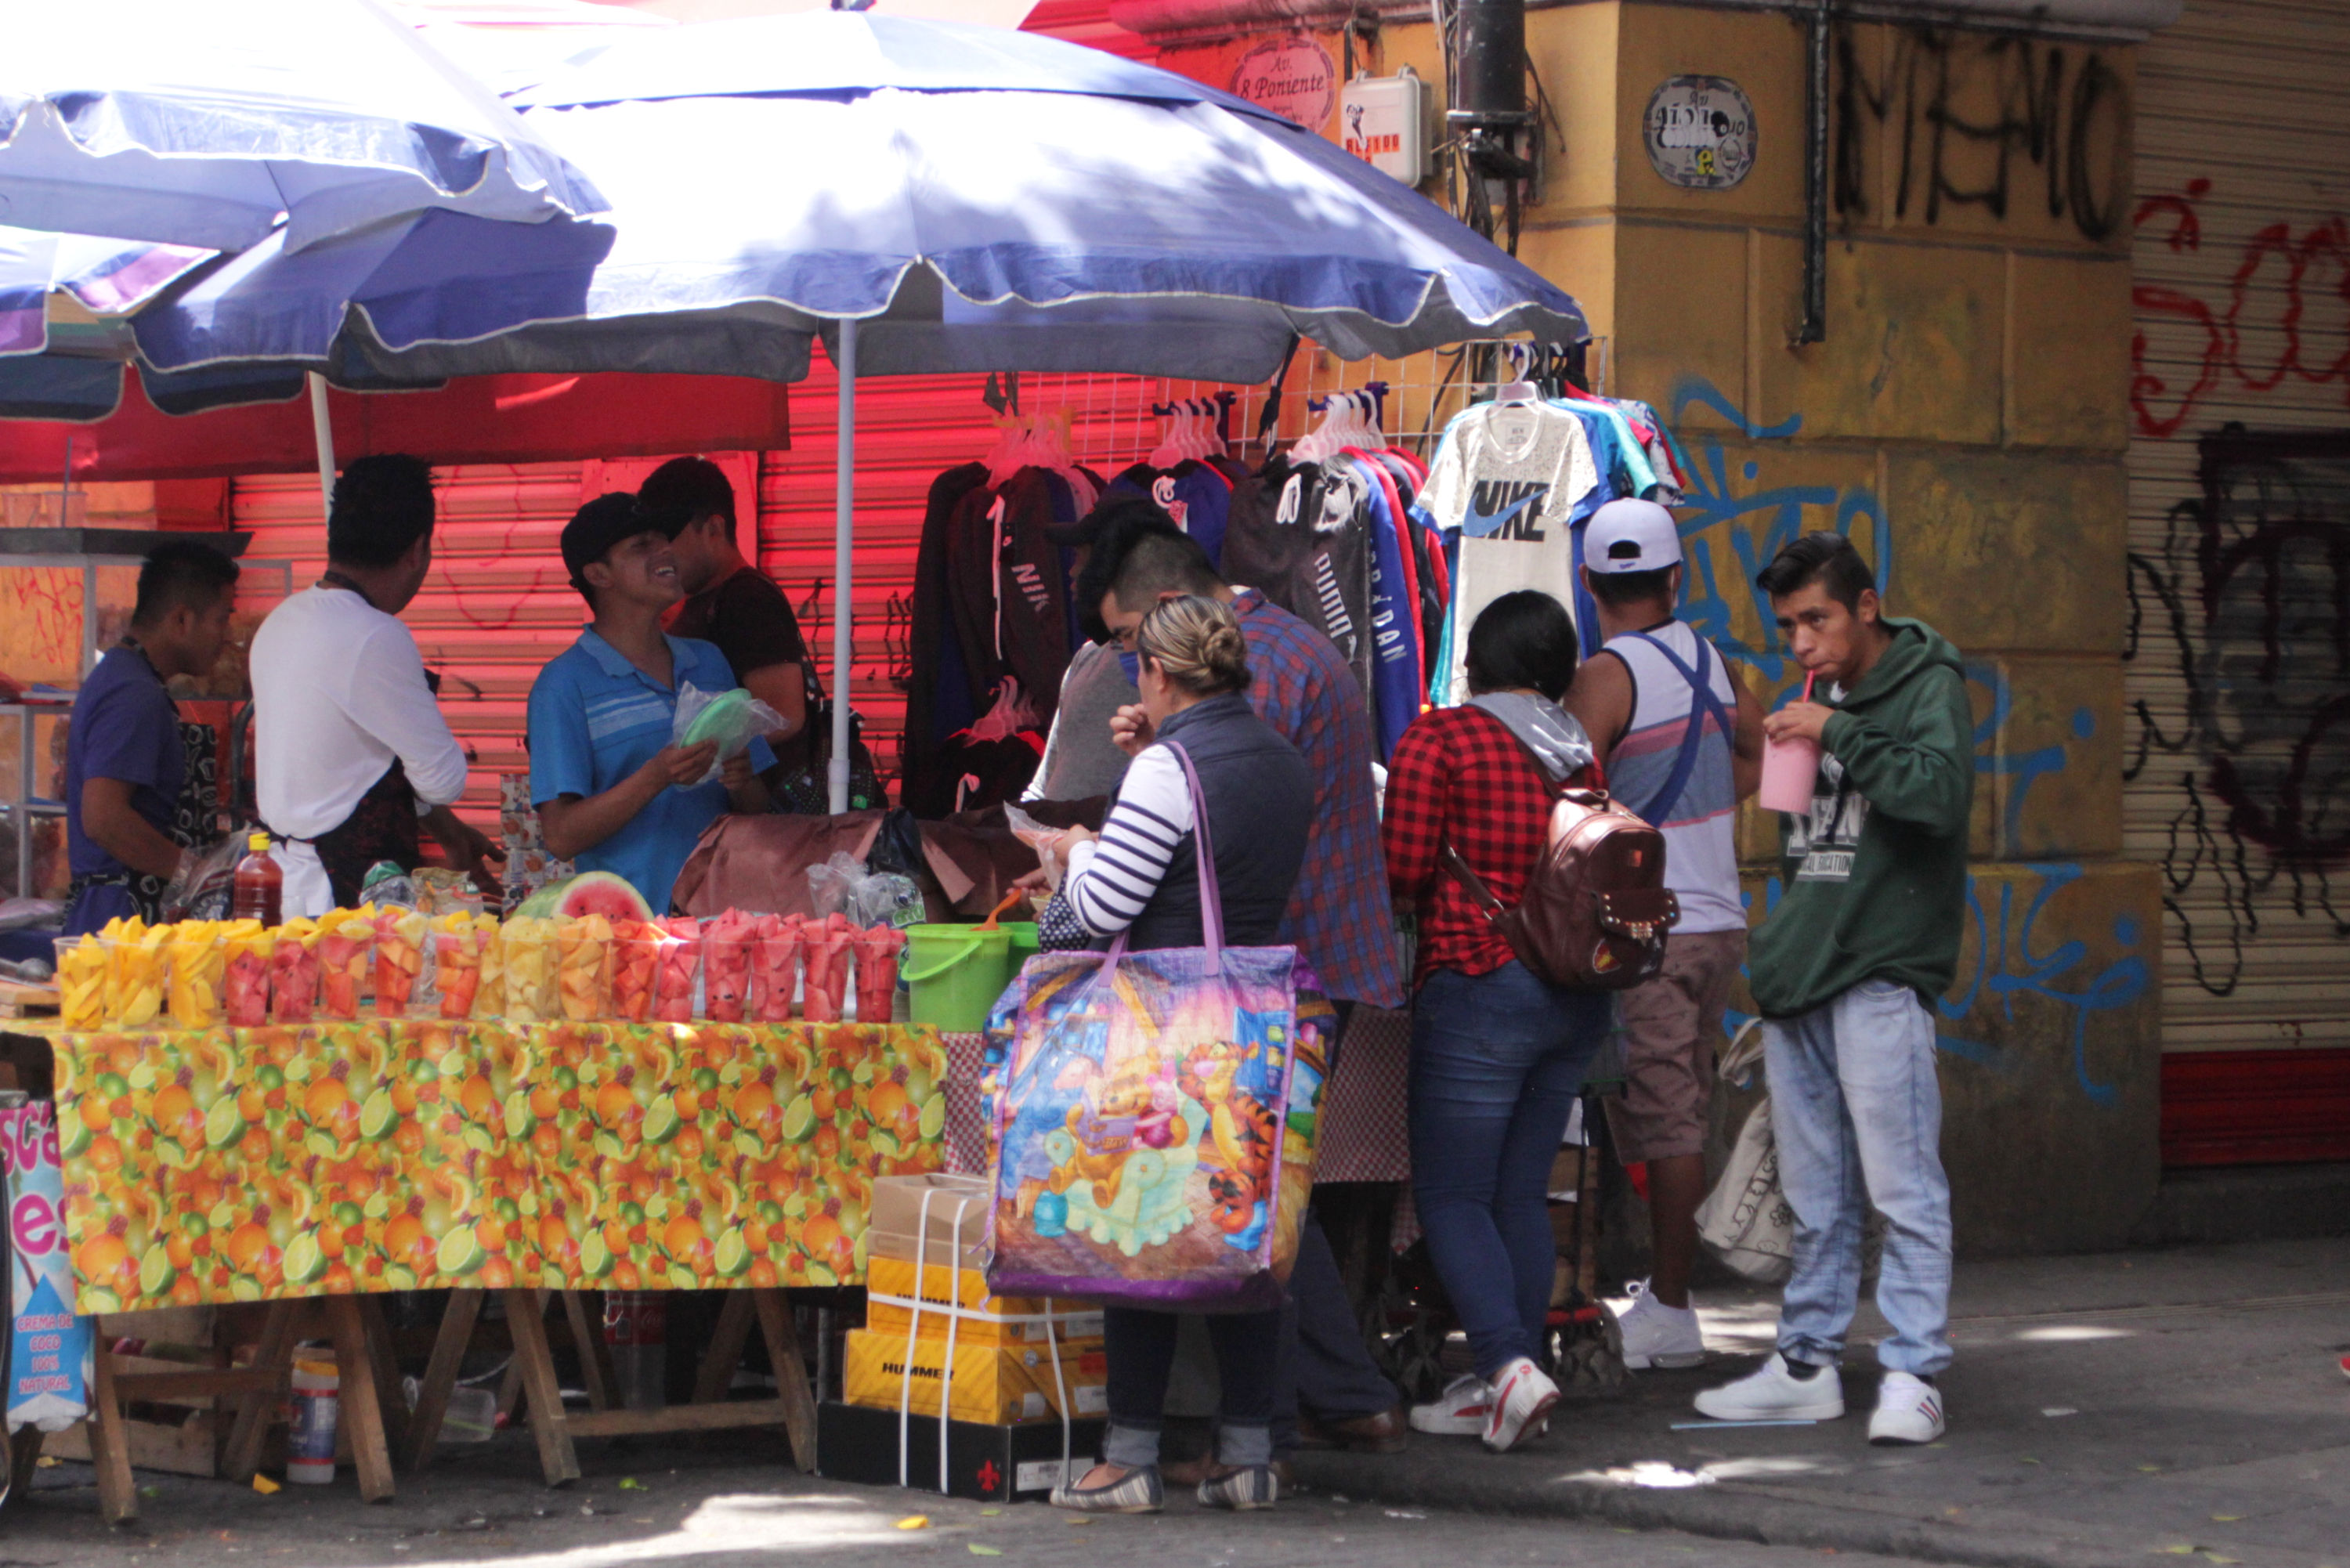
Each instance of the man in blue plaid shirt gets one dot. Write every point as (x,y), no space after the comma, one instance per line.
(1339,919)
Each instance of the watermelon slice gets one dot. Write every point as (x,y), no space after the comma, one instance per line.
(590,893)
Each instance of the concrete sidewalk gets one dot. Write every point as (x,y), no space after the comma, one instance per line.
(2104,1410)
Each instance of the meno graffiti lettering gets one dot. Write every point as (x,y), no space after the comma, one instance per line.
(1967,119)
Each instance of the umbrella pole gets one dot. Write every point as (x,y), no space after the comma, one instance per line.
(844,486)
(322,428)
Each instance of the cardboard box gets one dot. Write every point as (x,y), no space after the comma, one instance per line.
(992,1384)
(1075,1323)
(986,1464)
(895,1228)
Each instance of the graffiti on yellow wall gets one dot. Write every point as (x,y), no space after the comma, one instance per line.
(1958,119)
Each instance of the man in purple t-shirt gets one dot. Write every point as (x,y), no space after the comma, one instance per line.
(128,837)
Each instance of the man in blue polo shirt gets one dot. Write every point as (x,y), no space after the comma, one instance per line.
(613,794)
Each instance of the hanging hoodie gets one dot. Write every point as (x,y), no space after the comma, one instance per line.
(1301,536)
(940,698)
(1876,874)
(1197,495)
(1394,634)
(1011,598)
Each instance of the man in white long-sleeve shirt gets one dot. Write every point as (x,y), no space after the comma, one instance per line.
(351,755)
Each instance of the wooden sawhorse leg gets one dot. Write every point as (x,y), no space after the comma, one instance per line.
(440,1376)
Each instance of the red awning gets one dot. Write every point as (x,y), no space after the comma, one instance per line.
(475,419)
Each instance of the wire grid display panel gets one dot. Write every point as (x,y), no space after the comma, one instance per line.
(1113,418)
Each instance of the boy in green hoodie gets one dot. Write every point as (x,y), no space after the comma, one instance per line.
(1845,972)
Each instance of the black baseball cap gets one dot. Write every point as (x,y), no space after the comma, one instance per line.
(602,524)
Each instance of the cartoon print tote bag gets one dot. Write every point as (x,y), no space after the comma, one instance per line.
(1154,1125)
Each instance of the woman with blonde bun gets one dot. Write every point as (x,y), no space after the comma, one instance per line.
(1140,877)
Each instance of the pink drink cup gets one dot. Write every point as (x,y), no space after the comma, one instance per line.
(1790,770)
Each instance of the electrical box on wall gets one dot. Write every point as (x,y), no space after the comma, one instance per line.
(1384,122)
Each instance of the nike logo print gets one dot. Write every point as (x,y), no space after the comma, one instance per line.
(1500,509)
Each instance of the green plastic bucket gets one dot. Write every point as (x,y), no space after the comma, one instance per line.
(955,973)
(1024,945)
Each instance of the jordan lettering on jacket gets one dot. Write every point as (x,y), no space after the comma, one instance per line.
(1506,509)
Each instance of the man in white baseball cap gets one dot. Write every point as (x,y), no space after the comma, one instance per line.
(1680,739)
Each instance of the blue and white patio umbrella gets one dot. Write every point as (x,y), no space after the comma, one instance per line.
(198,122)
(924,195)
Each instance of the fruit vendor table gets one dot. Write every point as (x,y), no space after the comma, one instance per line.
(285,1163)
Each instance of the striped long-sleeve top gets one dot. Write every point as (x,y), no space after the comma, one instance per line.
(1111,878)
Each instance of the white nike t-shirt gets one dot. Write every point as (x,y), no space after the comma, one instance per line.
(1511,477)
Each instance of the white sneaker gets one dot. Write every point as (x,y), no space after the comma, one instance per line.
(1774,1393)
(1459,1412)
(1523,1396)
(1908,1410)
(1655,1334)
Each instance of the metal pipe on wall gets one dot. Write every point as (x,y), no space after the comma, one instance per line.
(1814,328)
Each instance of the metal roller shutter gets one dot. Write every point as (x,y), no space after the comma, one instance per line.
(2240,574)
(496,608)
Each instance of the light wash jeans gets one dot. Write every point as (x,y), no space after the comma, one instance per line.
(1858,1114)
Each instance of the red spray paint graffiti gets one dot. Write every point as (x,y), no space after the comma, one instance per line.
(2305,267)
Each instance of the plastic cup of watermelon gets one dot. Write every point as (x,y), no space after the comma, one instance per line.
(774,975)
(244,976)
(876,972)
(726,978)
(826,950)
(293,975)
(677,965)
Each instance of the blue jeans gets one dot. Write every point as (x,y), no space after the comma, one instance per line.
(1858,1113)
(1496,1061)
(1141,1344)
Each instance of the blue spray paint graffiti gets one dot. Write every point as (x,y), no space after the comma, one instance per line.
(1727,536)
(1765,520)
(1749,528)
(2007,965)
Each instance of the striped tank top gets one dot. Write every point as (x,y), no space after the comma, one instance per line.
(1701,836)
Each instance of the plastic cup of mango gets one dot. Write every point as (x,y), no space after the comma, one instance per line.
(82,973)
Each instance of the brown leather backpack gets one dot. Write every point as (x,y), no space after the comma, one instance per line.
(1595,909)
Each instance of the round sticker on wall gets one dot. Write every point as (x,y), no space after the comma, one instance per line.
(1700,133)
(1294,77)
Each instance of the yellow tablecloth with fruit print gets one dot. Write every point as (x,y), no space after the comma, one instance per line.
(258,1164)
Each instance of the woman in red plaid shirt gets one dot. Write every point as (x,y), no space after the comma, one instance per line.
(1497,1054)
